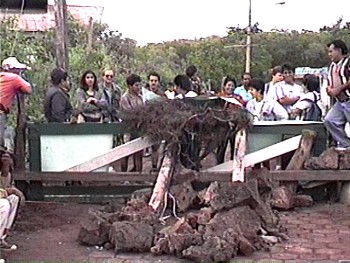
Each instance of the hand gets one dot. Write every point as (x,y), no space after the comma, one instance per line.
(15,191)
(333,92)
(91,100)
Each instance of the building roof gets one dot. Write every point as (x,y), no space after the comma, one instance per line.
(43,22)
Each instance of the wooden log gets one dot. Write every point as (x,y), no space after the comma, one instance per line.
(239,156)
(261,155)
(163,182)
(61,34)
(281,175)
(300,156)
(112,155)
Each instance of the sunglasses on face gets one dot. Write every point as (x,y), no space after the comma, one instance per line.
(109,76)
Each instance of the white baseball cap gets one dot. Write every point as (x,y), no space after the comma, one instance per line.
(13,63)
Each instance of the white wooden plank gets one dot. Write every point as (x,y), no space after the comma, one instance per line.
(261,155)
(112,155)
(239,156)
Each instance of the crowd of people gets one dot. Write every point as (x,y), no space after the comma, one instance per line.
(101,101)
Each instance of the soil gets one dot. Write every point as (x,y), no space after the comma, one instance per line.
(48,231)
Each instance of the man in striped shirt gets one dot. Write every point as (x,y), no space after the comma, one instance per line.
(339,89)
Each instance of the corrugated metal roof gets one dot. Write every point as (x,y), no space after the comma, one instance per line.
(42,22)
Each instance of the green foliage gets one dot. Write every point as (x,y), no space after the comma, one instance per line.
(214,57)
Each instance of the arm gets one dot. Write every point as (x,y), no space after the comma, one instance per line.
(58,107)
(84,104)
(288,101)
(280,112)
(124,103)
(22,85)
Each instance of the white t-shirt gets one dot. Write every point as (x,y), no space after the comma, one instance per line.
(289,91)
(266,110)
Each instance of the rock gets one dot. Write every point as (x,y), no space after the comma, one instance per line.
(263,209)
(201,217)
(137,210)
(95,232)
(270,239)
(302,201)
(131,236)
(264,180)
(226,195)
(245,246)
(175,238)
(214,249)
(281,198)
(344,160)
(329,159)
(184,196)
(142,194)
(242,220)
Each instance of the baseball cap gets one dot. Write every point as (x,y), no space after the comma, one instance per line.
(13,63)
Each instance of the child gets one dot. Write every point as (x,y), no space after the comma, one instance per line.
(264,109)
(306,108)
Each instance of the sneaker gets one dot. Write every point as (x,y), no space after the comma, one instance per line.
(342,149)
(6,246)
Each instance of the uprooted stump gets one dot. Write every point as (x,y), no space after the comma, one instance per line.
(216,224)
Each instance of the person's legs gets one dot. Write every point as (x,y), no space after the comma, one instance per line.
(155,156)
(5,209)
(138,161)
(3,123)
(14,201)
(335,121)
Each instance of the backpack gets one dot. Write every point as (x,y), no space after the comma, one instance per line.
(314,113)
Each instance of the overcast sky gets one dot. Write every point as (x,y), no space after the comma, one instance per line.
(152,21)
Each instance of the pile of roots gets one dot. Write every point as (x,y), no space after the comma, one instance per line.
(207,119)
(214,224)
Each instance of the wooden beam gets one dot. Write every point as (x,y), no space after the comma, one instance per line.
(162,184)
(84,176)
(239,156)
(311,175)
(112,155)
(261,155)
(61,34)
(281,175)
(300,156)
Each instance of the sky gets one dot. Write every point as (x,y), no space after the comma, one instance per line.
(154,21)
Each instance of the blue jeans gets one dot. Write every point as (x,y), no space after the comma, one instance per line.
(3,123)
(335,121)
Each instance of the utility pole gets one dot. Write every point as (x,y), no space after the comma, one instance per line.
(61,34)
(249,39)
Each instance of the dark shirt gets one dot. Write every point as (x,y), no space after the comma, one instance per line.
(57,106)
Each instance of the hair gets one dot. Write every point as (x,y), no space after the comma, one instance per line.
(153,73)
(83,83)
(227,79)
(132,79)
(106,69)
(339,44)
(191,70)
(183,82)
(57,75)
(277,69)
(311,82)
(258,84)
(287,67)
(247,73)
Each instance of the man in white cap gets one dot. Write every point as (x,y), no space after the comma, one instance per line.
(10,84)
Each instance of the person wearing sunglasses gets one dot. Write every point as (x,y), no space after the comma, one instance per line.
(112,93)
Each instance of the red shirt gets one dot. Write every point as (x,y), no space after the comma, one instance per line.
(10,84)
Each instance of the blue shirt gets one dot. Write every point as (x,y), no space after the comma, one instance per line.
(241,91)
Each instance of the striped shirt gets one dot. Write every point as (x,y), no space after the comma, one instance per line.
(338,75)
